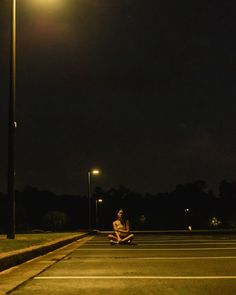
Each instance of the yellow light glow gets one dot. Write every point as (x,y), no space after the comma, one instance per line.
(100,200)
(47,4)
(95,172)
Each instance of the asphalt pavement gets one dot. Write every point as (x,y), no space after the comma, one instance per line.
(170,264)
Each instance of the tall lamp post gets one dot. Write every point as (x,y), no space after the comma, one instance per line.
(90,172)
(99,200)
(12,125)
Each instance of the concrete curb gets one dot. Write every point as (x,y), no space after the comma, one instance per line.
(23,255)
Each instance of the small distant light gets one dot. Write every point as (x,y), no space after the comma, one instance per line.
(100,200)
(190,228)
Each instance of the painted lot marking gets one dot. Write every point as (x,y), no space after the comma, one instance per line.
(183,258)
(170,244)
(136,277)
(174,240)
(155,249)
(98,260)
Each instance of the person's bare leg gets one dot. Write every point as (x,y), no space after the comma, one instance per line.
(129,238)
(113,239)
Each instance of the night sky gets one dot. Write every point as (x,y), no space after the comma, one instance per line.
(144,90)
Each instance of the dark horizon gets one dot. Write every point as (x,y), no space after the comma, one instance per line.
(190,204)
(198,183)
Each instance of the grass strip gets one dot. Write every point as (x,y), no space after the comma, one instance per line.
(22,241)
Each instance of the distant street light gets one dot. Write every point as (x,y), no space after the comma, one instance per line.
(187,211)
(99,200)
(12,125)
(90,172)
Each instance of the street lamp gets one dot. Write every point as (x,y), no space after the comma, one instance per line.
(12,125)
(90,172)
(187,211)
(97,201)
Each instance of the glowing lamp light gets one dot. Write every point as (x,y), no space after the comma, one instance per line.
(46,4)
(95,172)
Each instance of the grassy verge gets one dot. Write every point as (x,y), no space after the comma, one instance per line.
(27,240)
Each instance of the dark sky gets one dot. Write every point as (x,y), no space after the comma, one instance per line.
(144,90)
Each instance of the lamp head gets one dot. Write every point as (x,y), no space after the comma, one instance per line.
(95,172)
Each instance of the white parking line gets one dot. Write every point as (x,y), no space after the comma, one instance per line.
(175,240)
(183,258)
(98,260)
(169,244)
(136,277)
(154,249)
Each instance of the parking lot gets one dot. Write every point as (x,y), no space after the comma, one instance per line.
(153,264)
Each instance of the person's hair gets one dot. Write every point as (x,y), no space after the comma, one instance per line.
(124,217)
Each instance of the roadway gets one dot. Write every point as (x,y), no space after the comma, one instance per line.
(153,264)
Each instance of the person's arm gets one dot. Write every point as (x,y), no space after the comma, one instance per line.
(126,230)
(116,231)
(127,226)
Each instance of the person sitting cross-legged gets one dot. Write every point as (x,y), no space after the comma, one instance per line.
(121,228)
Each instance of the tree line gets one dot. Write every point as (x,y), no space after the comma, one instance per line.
(190,204)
